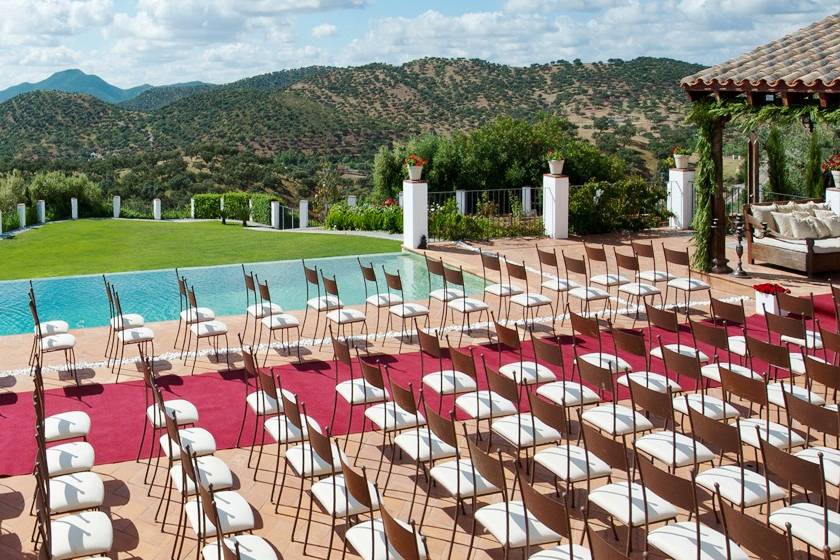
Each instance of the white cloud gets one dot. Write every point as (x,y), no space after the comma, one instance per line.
(324,30)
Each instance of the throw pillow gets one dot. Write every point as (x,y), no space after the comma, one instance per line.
(833,224)
(804,228)
(823,229)
(783,224)
(764,214)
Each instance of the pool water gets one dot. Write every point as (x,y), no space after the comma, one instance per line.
(81,300)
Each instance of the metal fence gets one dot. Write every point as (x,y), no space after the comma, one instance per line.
(493,213)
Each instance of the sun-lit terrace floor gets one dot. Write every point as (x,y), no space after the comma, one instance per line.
(138,536)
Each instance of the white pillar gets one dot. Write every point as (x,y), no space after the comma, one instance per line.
(74,208)
(401,199)
(192,208)
(351,200)
(415,213)
(250,210)
(21,210)
(116,207)
(275,214)
(681,197)
(156,209)
(461,201)
(42,211)
(303,211)
(832,198)
(526,200)
(556,206)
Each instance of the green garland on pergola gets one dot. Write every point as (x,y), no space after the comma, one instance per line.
(746,118)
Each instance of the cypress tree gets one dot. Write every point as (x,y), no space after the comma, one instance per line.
(777,179)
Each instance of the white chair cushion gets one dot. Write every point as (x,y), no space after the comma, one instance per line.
(125,321)
(601,417)
(66,425)
(359,391)
(609,279)
(446,295)
(306,463)
(345,316)
(527,372)
(679,541)
(569,551)
(449,382)
(588,293)
(408,310)
(524,430)
(572,463)
(814,340)
(324,303)
(674,451)
(457,478)
(77,491)
(797,362)
(359,537)
(712,371)
(280,321)
(251,547)
(655,276)
(282,430)
(775,396)
(653,381)
(198,439)
(197,314)
(389,416)
(136,335)
(384,300)
(682,349)
(558,285)
(807,523)
(613,499)
(184,411)
(211,470)
(332,494)
(637,289)
(81,534)
(689,285)
(209,328)
(264,309)
(57,342)
(478,404)
(467,305)
(729,479)
(496,518)
(738,345)
(606,361)
(831,461)
(530,300)
(712,407)
(423,448)
(778,434)
(235,514)
(53,327)
(503,290)
(263,404)
(66,458)
(568,393)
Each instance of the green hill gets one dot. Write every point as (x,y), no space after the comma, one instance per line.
(158,97)
(76,81)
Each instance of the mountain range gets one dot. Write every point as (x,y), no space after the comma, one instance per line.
(337,113)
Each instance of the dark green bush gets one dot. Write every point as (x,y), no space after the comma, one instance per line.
(56,189)
(445,222)
(261,208)
(207,206)
(175,213)
(10,220)
(631,204)
(237,207)
(365,217)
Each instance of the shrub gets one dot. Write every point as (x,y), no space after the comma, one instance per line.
(10,220)
(261,208)
(365,217)
(601,206)
(207,206)
(56,189)
(175,213)
(237,207)
(445,222)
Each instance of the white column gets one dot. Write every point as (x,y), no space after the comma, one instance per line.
(351,200)
(415,213)
(681,197)
(192,208)
(21,209)
(303,210)
(461,201)
(526,200)
(74,208)
(250,210)
(42,211)
(832,198)
(156,209)
(401,199)
(116,207)
(275,214)
(556,206)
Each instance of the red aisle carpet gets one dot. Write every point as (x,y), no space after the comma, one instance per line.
(117,411)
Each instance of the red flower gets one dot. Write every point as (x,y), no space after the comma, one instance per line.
(389,202)
(414,159)
(771,289)
(832,163)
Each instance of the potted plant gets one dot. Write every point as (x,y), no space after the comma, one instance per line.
(681,156)
(556,159)
(765,298)
(415,166)
(833,164)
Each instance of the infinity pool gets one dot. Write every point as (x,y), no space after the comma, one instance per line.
(81,300)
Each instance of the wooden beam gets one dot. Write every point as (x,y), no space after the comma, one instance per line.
(719,260)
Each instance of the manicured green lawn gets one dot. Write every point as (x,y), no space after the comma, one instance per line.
(99,246)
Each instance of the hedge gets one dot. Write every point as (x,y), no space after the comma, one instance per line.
(207,206)
(10,220)
(237,207)
(261,208)
(630,205)
(365,217)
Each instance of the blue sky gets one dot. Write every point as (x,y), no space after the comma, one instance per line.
(129,42)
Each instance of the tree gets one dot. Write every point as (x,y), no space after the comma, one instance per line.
(387,174)
(813,169)
(777,177)
(328,181)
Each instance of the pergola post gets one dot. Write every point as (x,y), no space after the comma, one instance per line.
(719,259)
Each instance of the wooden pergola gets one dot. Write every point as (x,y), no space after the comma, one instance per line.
(800,69)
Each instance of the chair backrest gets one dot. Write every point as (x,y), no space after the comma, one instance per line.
(547,351)
(547,259)
(357,485)
(268,383)
(574,264)
(626,262)
(330,285)
(118,311)
(804,307)
(311,275)
(612,452)
(643,249)
(831,341)
(516,270)
(773,354)
(490,261)
(402,540)
(506,336)
(653,401)
(596,376)
(371,372)
(171,423)
(785,326)
(823,373)
(249,360)
(600,548)
(489,467)
(368,273)
(454,276)
(662,318)
(341,350)
(320,445)
(584,325)
(679,258)
(792,469)
(429,343)
(182,285)
(250,285)
(462,360)
(434,267)
(680,491)
(393,280)
(682,365)
(443,428)
(265,292)
(753,390)
(632,342)
(812,416)
(728,313)
(404,397)
(33,309)
(550,413)
(594,253)
(725,437)
(191,297)
(549,511)
(501,385)
(108,294)
(753,535)
(717,337)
